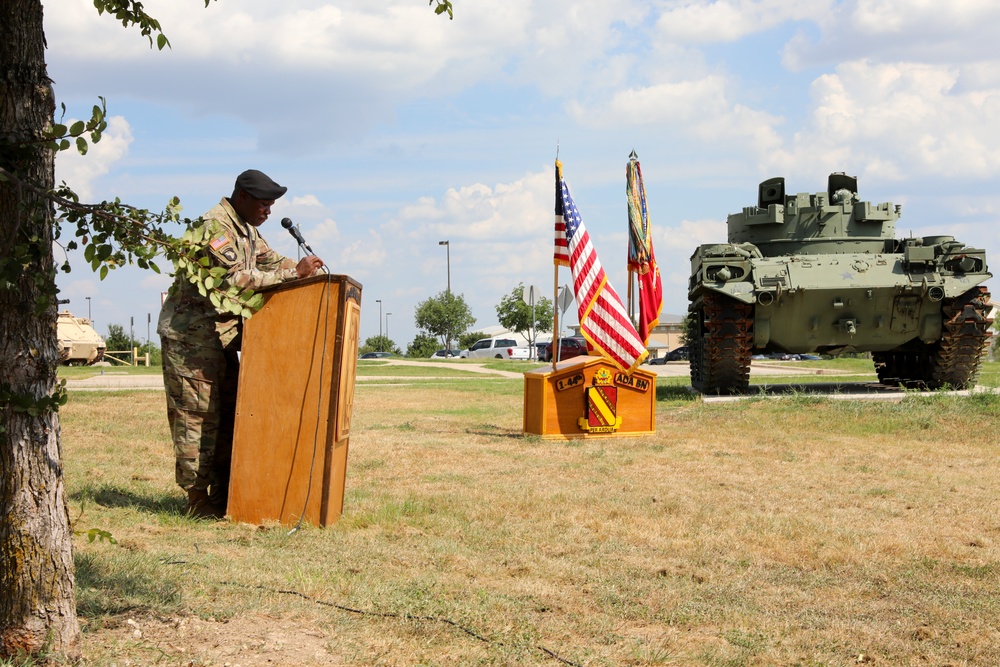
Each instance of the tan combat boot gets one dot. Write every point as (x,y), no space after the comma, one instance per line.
(199,507)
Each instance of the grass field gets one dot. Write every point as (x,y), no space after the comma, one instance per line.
(796,531)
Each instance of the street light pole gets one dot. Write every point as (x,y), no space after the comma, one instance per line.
(447,246)
(88,311)
(387,327)
(379,302)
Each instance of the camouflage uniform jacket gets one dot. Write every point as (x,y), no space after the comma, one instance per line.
(250,262)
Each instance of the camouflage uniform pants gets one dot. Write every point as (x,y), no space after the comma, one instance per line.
(201,384)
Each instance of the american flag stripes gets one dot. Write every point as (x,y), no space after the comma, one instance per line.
(561,255)
(604,321)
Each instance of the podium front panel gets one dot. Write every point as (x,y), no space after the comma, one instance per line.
(296,391)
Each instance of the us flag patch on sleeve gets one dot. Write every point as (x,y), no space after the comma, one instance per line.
(219,242)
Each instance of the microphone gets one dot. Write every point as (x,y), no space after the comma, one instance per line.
(296,234)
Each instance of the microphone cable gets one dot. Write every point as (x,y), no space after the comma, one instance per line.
(319,402)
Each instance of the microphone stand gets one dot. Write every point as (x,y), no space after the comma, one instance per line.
(293,229)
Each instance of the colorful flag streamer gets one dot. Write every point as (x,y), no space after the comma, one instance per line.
(641,258)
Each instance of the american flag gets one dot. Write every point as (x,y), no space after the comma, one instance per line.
(603,319)
(561,255)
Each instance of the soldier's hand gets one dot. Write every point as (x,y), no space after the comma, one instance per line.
(308,266)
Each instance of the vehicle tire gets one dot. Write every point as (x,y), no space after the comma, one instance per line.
(499,356)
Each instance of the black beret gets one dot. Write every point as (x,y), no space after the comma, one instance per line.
(259,185)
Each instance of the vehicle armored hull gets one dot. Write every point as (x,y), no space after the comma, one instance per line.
(79,343)
(823,273)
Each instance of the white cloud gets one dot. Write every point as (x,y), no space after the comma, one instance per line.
(895,121)
(963,31)
(698,110)
(324,234)
(703,21)
(80,171)
(306,201)
(689,234)
(360,258)
(478,212)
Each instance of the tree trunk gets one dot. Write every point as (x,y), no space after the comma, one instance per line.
(37,605)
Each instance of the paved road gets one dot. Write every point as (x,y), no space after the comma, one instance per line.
(112,379)
(118,380)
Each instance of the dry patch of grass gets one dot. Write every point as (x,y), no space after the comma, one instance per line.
(798,531)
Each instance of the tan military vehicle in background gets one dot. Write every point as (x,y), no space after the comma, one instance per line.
(79,343)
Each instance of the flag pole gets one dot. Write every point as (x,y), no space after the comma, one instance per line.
(633,157)
(555,314)
(555,275)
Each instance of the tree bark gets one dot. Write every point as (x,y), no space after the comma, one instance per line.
(37,604)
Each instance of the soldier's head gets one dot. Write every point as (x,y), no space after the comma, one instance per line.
(253,196)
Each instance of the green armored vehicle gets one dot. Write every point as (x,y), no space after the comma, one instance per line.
(824,273)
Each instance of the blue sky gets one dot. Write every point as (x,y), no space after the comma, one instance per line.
(395,129)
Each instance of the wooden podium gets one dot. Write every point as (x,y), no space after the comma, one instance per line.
(588,397)
(293,408)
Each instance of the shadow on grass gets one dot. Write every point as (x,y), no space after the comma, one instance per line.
(118,581)
(108,495)
(494,431)
(675,392)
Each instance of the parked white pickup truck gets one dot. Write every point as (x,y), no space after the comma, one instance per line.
(496,348)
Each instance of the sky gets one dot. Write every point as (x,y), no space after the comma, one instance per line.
(395,129)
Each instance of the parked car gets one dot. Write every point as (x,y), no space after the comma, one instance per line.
(496,348)
(677,354)
(787,356)
(445,354)
(376,355)
(574,346)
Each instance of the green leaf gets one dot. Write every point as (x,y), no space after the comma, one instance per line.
(57,131)
(161,41)
(104,271)
(255,302)
(77,128)
(81,145)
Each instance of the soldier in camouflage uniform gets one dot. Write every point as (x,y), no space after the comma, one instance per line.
(200,342)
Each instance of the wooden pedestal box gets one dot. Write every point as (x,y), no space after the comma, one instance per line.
(588,397)
(293,409)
